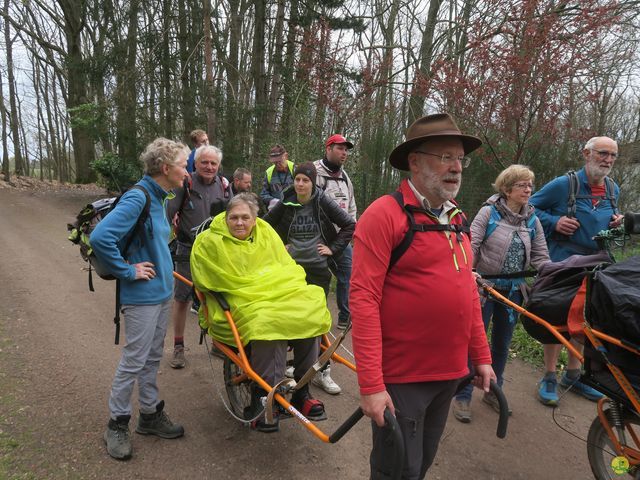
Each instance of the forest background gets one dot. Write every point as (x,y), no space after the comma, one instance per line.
(86,84)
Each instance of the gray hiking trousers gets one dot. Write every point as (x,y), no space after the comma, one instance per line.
(145,328)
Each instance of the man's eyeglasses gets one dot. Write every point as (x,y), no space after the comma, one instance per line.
(524,186)
(603,154)
(447,159)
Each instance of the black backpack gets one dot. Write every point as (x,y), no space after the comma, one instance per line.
(80,234)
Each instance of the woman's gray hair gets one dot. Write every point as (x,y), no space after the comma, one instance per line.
(160,152)
(208,148)
(248,198)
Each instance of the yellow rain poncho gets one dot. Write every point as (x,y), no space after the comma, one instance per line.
(266,289)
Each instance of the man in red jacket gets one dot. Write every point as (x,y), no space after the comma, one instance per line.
(415,310)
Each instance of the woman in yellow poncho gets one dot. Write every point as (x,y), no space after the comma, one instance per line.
(243,258)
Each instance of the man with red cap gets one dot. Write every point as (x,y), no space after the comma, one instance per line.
(336,184)
(415,306)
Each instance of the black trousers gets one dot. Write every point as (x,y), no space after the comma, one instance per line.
(421,411)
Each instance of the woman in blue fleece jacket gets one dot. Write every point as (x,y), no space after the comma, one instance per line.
(146,290)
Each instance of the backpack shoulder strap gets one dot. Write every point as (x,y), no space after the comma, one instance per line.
(574,186)
(404,245)
(492,224)
(414,227)
(531,225)
(138,228)
(610,192)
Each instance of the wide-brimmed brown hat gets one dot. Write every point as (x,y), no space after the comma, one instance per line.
(432,126)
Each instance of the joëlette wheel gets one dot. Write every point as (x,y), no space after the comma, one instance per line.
(238,388)
(601,452)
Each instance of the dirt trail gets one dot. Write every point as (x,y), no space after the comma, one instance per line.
(57,361)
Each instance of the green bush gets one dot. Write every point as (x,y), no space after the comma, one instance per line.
(116,175)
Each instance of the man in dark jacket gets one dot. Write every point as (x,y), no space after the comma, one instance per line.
(277,177)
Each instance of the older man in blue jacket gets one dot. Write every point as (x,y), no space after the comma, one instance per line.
(569,231)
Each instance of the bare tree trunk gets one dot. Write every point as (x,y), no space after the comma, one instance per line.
(23,140)
(13,117)
(126,89)
(258,74)
(5,149)
(276,68)
(416,103)
(188,101)
(288,83)
(166,65)
(40,120)
(83,147)
(232,131)
(208,61)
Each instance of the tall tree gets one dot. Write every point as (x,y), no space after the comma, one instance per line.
(13,117)
(74,12)
(5,147)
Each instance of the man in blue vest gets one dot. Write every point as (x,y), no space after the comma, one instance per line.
(277,177)
(569,231)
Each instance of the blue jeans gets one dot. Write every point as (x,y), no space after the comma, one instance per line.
(501,334)
(341,268)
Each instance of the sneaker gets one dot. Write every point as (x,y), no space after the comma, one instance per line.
(548,391)
(310,407)
(324,381)
(462,410)
(118,438)
(195,306)
(491,400)
(256,407)
(159,424)
(576,386)
(289,372)
(342,324)
(178,360)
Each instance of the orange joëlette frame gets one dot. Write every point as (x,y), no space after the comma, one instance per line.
(241,360)
(594,337)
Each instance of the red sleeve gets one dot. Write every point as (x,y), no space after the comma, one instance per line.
(375,236)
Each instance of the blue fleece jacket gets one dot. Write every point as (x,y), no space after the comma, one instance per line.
(550,203)
(110,235)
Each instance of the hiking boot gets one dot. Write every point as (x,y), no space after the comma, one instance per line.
(462,410)
(548,391)
(159,424)
(324,381)
(178,360)
(289,372)
(310,407)
(491,400)
(118,438)
(216,352)
(576,386)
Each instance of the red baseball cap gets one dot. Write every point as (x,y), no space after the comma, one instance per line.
(338,139)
